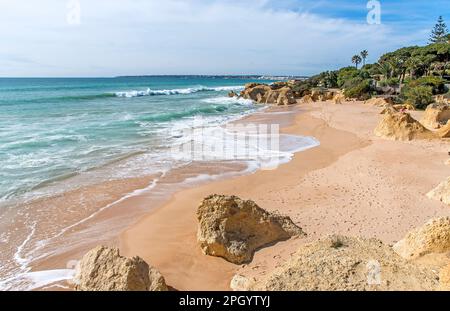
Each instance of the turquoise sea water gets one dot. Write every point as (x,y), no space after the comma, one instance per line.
(52,130)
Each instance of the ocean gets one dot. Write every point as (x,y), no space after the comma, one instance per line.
(54,129)
(58,135)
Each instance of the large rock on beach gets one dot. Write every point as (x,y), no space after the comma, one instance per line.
(103,269)
(401,126)
(378,102)
(277,94)
(441,192)
(339,263)
(233,229)
(444,278)
(444,132)
(433,237)
(436,116)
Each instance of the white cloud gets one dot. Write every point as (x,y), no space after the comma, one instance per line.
(132,37)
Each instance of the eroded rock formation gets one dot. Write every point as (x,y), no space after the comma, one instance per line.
(433,237)
(233,229)
(103,269)
(339,263)
(401,126)
(436,116)
(441,192)
(276,94)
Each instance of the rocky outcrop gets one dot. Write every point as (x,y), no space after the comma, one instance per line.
(444,278)
(444,132)
(339,263)
(436,116)
(232,94)
(307,99)
(401,126)
(433,237)
(233,229)
(378,102)
(264,94)
(441,192)
(240,283)
(103,269)
(339,99)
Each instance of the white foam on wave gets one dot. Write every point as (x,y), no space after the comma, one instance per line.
(33,280)
(228,100)
(150,92)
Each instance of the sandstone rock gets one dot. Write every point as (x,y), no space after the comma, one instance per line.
(403,107)
(436,116)
(441,192)
(103,269)
(340,263)
(307,99)
(401,126)
(233,229)
(433,237)
(377,101)
(339,99)
(240,283)
(276,94)
(256,92)
(444,132)
(232,94)
(285,97)
(444,278)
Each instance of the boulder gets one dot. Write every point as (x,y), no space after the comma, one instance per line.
(103,269)
(306,99)
(433,237)
(401,126)
(339,263)
(256,92)
(444,132)
(276,94)
(436,116)
(233,229)
(285,97)
(444,278)
(378,102)
(240,283)
(232,94)
(338,99)
(441,192)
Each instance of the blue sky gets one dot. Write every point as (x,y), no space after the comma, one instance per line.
(136,37)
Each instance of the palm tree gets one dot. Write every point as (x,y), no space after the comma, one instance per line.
(356,60)
(364,55)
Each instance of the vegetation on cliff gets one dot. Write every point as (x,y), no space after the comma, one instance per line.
(410,75)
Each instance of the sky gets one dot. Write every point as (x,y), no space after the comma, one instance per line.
(103,38)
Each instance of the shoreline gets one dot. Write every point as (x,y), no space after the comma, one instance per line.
(111,207)
(166,237)
(164,232)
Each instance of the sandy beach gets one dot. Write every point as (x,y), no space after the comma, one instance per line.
(353,183)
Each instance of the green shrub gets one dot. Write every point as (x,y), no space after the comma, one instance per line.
(418,96)
(358,88)
(390,82)
(346,74)
(437,84)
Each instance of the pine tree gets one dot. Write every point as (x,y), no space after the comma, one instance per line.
(439,32)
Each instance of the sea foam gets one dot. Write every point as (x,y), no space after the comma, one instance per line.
(150,92)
